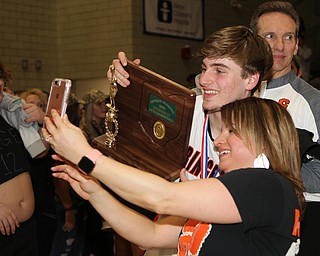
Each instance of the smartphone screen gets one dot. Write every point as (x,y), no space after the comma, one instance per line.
(58,97)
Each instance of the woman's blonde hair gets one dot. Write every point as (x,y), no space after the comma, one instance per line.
(267,127)
(42,96)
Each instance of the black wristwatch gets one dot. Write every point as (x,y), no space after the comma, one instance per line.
(88,162)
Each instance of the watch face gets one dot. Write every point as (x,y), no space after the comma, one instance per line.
(86,164)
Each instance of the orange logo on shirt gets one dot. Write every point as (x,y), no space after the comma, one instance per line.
(284,102)
(193,236)
(296,226)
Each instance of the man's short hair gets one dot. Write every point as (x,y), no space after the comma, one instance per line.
(238,43)
(274,6)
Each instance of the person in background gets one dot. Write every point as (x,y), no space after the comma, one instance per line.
(278,23)
(35,104)
(19,142)
(93,120)
(253,209)
(36,97)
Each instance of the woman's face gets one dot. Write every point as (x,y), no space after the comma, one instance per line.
(99,110)
(233,152)
(34,99)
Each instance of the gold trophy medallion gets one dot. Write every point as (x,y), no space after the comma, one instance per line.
(111,122)
(159,130)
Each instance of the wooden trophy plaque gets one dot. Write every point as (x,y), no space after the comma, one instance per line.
(154,120)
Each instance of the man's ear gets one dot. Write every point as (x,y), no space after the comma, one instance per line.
(253,81)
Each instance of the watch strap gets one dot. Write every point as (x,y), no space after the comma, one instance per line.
(87,162)
(94,155)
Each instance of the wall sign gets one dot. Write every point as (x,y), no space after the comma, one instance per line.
(177,18)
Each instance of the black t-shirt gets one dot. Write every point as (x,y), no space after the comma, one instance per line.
(13,155)
(267,204)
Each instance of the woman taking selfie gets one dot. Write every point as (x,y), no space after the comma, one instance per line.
(254,208)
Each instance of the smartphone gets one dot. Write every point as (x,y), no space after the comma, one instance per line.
(58,97)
